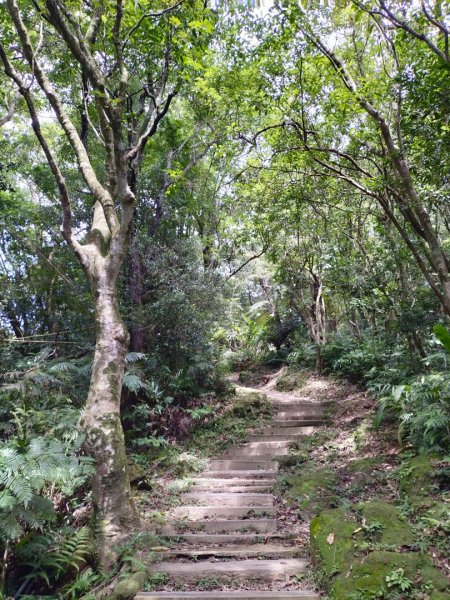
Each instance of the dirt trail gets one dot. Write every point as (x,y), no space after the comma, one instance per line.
(230,535)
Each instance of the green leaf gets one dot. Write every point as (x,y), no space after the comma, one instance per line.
(443,335)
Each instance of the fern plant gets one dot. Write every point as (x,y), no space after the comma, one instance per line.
(422,408)
(27,478)
(53,557)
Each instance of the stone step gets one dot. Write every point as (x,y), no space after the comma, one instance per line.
(261,457)
(298,414)
(233,489)
(230,481)
(252,551)
(252,569)
(236,465)
(260,447)
(237,474)
(228,499)
(300,409)
(294,422)
(282,437)
(229,538)
(295,432)
(196,513)
(238,595)
(295,399)
(265,445)
(220,526)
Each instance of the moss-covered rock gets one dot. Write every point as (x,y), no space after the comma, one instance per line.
(250,403)
(368,575)
(245,377)
(291,379)
(416,477)
(129,587)
(396,531)
(295,459)
(138,476)
(332,544)
(440,596)
(313,490)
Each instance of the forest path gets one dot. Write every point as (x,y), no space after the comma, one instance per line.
(230,539)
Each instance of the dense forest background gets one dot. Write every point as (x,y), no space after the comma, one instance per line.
(262,185)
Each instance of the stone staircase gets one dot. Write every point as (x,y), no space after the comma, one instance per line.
(227,528)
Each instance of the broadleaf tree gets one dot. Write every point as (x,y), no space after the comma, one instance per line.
(107,72)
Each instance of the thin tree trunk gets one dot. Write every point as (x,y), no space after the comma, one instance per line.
(319,359)
(100,421)
(136,287)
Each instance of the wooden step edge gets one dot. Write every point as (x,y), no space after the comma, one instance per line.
(278,569)
(236,551)
(235,473)
(219,526)
(194,513)
(230,538)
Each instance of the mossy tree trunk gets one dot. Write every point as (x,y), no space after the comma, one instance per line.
(100,422)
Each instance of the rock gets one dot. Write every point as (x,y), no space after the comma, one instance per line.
(245,377)
(251,403)
(440,596)
(332,544)
(129,587)
(396,530)
(290,380)
(368,575)
(416,477)
(138,477)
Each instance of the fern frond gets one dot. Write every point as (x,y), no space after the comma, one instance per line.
(133,357)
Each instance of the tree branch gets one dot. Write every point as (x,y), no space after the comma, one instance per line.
(89,175)
(254,257)
(150,16)
(60,181)
(138,149)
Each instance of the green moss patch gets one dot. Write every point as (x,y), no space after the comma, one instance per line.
(368,576)
(395,530)
(129,587)
(332,544)
(363,465)
(251,403)
(416,477)
(291,379)
(246,377)
(313,490)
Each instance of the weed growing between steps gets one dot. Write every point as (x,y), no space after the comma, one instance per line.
(380,519)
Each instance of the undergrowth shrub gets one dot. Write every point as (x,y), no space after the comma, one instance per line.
(418,404)
(422,409)
(43,474)
(367,359)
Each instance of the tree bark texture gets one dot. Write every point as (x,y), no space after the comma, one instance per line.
(100,421)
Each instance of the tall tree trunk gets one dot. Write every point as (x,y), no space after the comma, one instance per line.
(100,421)
(136,287)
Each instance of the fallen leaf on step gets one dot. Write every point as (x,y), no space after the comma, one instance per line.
(330,538)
